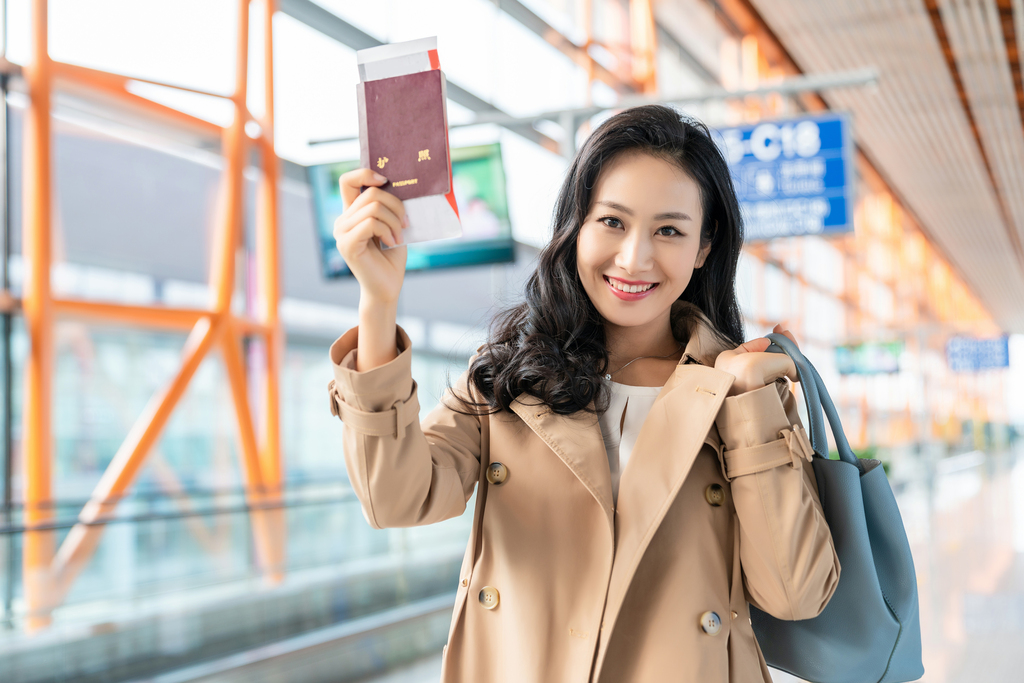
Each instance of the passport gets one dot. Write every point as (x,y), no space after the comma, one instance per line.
(431,216)
(404,133)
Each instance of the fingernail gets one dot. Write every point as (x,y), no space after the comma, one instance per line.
(405,221)
(379,178)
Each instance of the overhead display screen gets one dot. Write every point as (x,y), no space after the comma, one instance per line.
(479,180)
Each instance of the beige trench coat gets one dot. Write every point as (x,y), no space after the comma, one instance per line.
(717,508)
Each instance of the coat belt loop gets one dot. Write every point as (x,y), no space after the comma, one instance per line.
(720,450)
(405,412)
(333,397)
(799,445)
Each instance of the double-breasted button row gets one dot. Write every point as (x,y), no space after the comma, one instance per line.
(497,473)
(489,597)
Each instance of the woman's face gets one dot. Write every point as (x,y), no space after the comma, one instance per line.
(640,242)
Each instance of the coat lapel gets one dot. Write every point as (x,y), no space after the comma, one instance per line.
(577,441)
(680,422)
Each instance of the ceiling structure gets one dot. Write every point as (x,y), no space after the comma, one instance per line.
(945,126)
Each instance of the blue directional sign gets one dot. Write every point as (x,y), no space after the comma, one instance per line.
(964,354)
(792,177)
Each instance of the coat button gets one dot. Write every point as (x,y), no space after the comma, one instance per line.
(711,623)
(489,597)
(715,495)
(497,473)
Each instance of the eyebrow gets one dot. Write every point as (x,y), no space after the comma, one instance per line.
(676,215)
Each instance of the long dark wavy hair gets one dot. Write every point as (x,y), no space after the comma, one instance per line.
(552,344)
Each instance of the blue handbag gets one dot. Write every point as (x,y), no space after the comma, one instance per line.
(870,631)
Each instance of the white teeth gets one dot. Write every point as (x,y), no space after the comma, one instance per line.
(631,289)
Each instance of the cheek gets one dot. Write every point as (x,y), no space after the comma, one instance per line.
(588,251)
(681,267)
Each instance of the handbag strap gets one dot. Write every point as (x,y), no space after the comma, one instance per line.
(816,397)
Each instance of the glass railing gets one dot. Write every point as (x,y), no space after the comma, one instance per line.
(202,546)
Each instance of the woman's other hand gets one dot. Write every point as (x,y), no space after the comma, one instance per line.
(753,367)
(372,215)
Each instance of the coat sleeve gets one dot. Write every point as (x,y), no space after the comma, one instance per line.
(789,562)
(404,473)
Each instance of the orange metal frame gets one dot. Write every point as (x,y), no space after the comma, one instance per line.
(49,572)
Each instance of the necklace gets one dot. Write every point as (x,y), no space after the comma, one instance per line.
(609,375)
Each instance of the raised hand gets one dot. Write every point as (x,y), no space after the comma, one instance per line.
(753,367)
(372,215)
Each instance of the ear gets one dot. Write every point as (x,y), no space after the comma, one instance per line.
(702,256)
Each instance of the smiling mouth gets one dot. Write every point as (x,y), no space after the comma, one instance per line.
(630,289)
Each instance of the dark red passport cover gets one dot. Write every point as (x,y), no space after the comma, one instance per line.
(403,133)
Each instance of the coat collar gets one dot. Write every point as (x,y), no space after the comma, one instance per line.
(682,415)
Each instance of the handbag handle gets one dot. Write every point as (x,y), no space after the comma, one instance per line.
(816,397)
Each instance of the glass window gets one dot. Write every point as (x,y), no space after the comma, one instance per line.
(187,42)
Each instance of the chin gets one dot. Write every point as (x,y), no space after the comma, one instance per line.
(629,320)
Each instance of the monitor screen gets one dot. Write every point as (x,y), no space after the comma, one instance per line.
(479,180)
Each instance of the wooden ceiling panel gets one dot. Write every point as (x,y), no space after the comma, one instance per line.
(944,124)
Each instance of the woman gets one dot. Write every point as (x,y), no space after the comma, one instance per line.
(600,551)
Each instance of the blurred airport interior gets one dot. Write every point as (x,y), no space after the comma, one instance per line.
(174,504)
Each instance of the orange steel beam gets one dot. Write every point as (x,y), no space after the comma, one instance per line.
(117,86)
(223,280)
(82,540)
(108,80)
(590,65)
(217,325)
(226,240)
(145,316)
(38,440)
(251,328)
(234,365)
(256,491)
(643,44)
(268,277)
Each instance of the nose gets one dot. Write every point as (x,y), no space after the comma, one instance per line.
(635,252)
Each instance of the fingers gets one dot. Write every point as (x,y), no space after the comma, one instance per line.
(383,220)
(376,195)
(772,366)
(353,182)
(755,368)
(790,370)
(354,241)
(354,196)
(778,330)
(754,345)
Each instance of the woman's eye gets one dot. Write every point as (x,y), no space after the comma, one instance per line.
(613,222)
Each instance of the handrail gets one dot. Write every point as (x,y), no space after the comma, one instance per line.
(152,495)
(11,529)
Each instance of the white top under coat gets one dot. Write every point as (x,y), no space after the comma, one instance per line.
(636,403)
